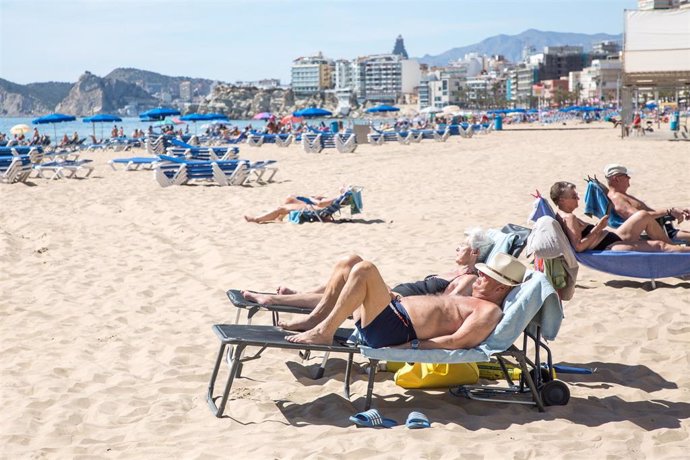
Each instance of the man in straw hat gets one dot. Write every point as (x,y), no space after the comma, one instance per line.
(419,322)
(625,205)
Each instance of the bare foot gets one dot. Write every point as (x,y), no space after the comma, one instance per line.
(285,290)
(310,336)
(302,324)
(261,299)
(250,219)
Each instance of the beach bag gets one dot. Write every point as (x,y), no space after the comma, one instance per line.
(436,375)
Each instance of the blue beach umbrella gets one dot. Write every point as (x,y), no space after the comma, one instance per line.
(195,117)
(159,113)
(217,116)
(52,119)
(101,118)
(382,108)
(312,112)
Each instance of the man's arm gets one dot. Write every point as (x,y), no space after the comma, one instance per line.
(474,330)
(627,205)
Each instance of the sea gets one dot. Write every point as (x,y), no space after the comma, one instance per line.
(103,129)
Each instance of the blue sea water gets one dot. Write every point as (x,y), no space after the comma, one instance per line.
(86,129)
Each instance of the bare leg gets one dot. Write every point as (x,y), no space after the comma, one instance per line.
(276,214)
(632,228)
(364,291)
(308,300)
(286,290)
(649,246)
(335,284)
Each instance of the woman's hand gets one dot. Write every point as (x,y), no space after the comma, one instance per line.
(602,224)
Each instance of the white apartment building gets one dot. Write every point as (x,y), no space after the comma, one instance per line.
(344,75)
(384,77)
(444,90)
(599,82)
(470,66)
(311,74)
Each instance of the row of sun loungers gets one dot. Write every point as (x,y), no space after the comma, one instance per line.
(17,163)
(178,171)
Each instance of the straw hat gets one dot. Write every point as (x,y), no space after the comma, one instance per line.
(504,268)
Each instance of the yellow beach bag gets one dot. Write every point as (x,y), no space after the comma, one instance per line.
(436,375)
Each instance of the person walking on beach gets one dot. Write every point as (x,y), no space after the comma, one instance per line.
(419,322)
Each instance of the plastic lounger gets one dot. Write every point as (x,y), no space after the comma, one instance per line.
(646,265)
(532,308)
(64,169)
(241,336)
(134,163)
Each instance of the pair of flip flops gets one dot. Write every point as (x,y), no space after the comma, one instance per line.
(373,419)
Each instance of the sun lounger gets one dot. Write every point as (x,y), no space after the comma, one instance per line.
(351,197)
(60,169)
(134,163)
(259,139)
(532,308)
(178,171)
(11,169)
(317,142)
(634,264)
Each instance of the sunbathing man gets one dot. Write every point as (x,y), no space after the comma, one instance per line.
(584,236)
(625,205)
(384,319)
(457,281)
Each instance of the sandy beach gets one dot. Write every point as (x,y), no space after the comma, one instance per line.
(109,287)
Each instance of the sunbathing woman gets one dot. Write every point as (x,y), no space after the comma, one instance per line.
(584,236)
(458,280)
(292,203)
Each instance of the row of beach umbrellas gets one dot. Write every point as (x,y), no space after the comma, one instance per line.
(161,113)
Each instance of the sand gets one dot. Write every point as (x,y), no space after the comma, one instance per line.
(109,287)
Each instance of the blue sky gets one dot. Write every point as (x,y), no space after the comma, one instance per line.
(43,40)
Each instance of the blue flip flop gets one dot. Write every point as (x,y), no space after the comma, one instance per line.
(372,419)
(417,420)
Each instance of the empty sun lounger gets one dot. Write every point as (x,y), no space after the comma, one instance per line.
(531,309)
(177,171)
(134,163)
(259,139)
(60,169)
(317,142)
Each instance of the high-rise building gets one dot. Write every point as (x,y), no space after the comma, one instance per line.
(385,77)
(399,48)
(311,74)
(560,60)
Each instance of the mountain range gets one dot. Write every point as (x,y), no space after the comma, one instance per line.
(511,46)
(93,94)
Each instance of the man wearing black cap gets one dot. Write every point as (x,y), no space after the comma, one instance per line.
(625,205)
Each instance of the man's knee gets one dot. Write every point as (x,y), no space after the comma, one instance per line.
(363,269)
(642,215)
(350,260)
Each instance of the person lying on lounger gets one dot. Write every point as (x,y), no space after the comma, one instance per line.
(293,203)
(457,281)
(625,205)
(584,236)
(385,319)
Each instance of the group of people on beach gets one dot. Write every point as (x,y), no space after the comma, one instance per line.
(460,308)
